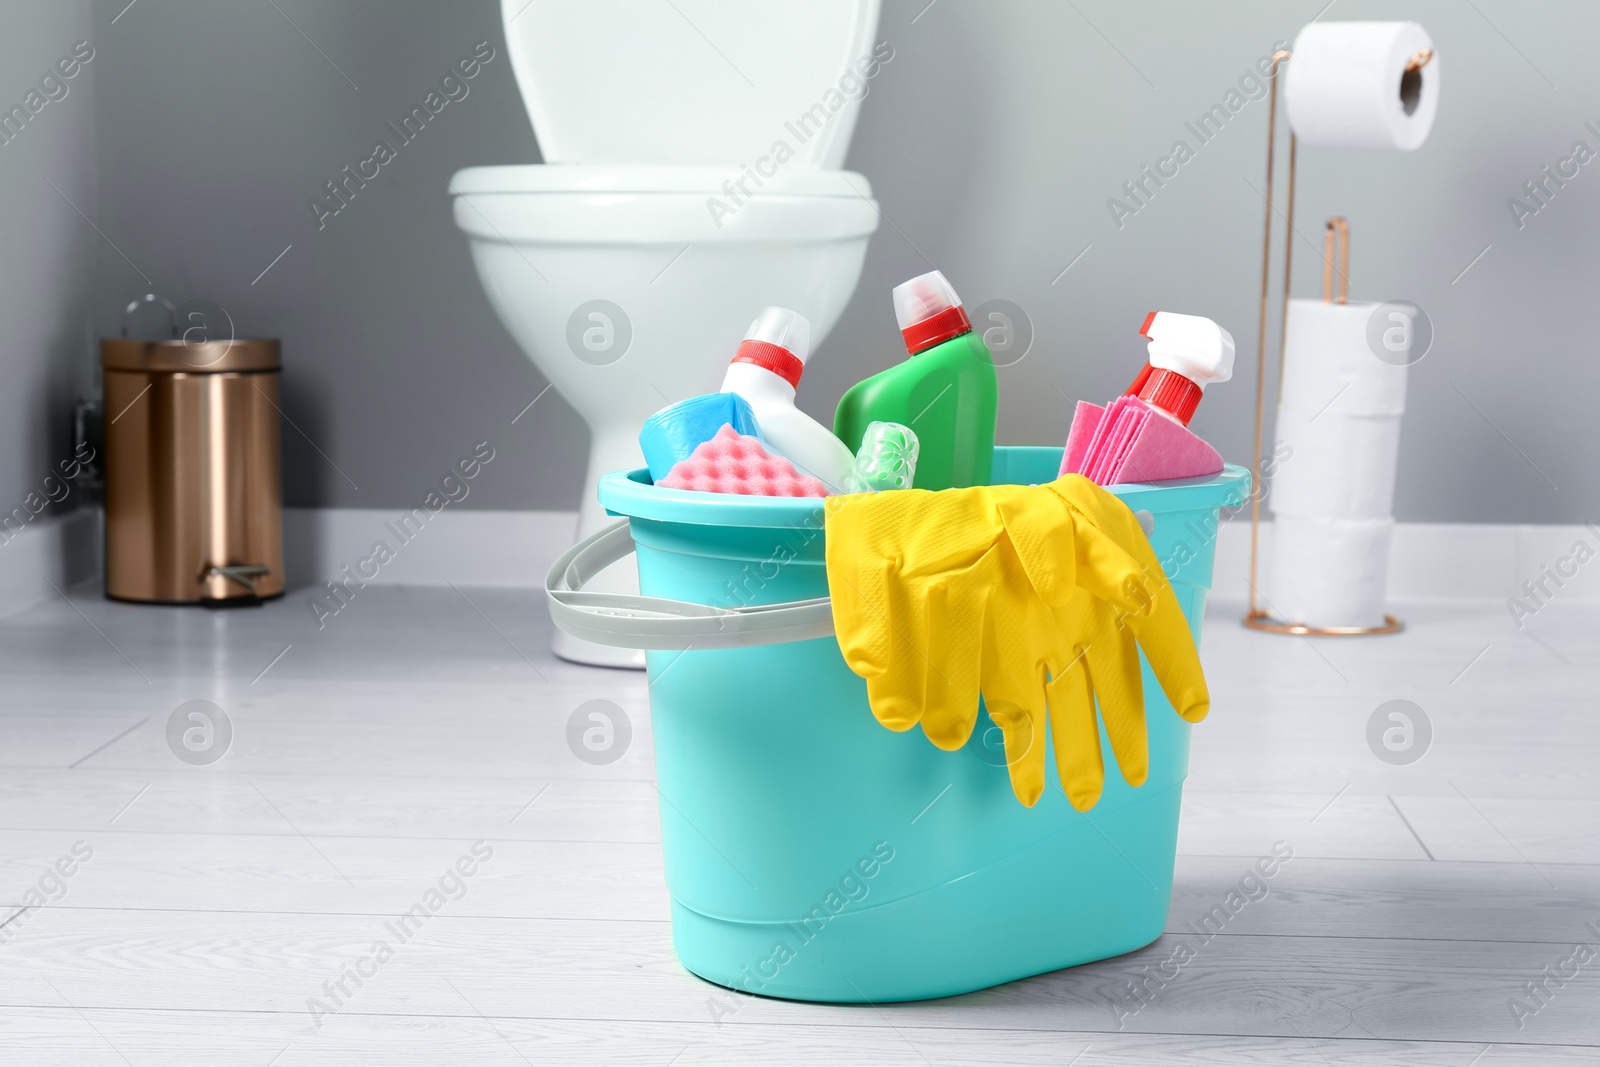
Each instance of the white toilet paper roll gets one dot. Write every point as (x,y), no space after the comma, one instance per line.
(1335,465)
(1339,414)
(1329,572)
(1333,494)
(1330,359)
(1348,87)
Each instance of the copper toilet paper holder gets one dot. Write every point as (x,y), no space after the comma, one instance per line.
(1256,617)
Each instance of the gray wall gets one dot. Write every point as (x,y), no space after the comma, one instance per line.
(993,141)
(220,121)
(46,248)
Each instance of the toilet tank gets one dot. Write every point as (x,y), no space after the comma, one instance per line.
(693,82)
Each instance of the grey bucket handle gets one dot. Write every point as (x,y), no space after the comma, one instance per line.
(624,620)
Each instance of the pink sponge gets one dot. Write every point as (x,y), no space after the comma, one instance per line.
(732,463)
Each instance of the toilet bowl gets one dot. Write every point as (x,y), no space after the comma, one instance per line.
(628,266)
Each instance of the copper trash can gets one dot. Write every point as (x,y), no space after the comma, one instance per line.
(193,498)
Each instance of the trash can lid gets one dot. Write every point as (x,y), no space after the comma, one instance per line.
(184,357)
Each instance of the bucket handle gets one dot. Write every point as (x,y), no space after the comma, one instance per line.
(624,620)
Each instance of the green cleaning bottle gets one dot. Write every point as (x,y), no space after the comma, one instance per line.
(946,391)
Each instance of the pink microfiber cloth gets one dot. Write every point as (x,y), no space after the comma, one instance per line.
(733,463)
(1129,441)
(1085,421)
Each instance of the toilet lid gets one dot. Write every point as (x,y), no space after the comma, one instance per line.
(707,82)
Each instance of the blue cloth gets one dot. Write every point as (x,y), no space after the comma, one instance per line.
(674,432)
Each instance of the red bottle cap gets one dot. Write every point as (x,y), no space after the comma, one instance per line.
(779,341)
(929,312)
(1169,391)
(779,361)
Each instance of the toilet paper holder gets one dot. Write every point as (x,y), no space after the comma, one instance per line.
(1337,232)
(1257,618)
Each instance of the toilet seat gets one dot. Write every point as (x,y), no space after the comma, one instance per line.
(653,178)
(651,204)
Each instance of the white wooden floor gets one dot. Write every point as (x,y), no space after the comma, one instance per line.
(368,757)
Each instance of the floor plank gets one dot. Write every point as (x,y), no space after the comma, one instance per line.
(1282,985)
(85,1039)
(375,752)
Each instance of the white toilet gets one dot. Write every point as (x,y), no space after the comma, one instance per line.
(666,215)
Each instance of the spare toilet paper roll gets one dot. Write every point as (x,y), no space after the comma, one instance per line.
(1339,413)
(1334,465)
(1331,359)
(1348,86)
(1329,572)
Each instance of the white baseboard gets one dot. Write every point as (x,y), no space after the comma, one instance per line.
(1442,561)
(1429,561)
(52,552)
(505,548)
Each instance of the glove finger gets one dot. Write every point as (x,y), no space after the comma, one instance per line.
(1112,659)
(1018,633)
(1168,644)
(1162,630)
(949,662)
(884,623)
(1023,729)
(1116,562)
(1105,511)
(1106,570)
(1110,546)
(859,580)
(1076,736)
(1018,627)
(1040,530)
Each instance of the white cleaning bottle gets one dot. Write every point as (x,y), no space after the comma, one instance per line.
(765,371)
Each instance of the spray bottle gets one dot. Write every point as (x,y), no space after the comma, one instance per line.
(1187,352)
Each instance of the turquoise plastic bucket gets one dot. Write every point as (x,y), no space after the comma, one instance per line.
(812,854)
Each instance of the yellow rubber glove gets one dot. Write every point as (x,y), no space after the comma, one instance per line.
(1034,596)
(916,576)
(1122,602)
(1117,564)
